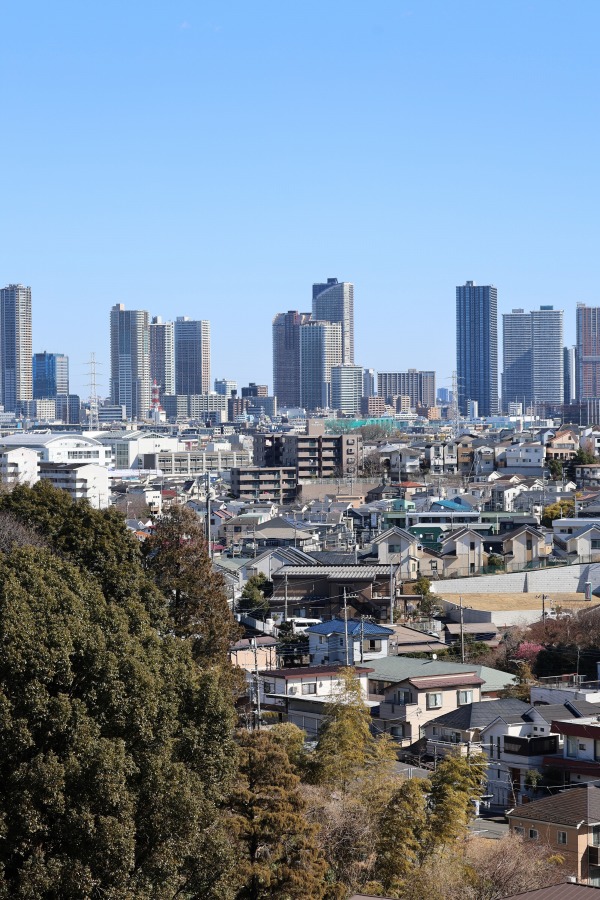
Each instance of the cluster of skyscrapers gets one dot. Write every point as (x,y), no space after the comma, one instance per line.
(538,371)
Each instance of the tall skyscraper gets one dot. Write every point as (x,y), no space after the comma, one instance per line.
(50,375)
(516,359)
(15,345)
(286,357)
(130,360)
(547,355)
(588,352)
(162,355)
(369,383)
(320,349)
(477,347)
(570,374)
(225,387)
(419,386)
(346,388)
(192,356)
(333,301)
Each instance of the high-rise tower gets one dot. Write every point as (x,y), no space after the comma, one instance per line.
(192,356)
(547,366)
(516,359)
(162,356)
(477,346)
(333,301)
(130,360)
(286,357)
(320,349)
(15,345)
(588,352)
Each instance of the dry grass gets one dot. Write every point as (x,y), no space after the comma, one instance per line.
(517,600)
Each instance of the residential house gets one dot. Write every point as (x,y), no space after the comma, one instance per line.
(568,823)
(319,591)
(524,458)
(409,704)
(366,641)
(300,695)
(523,547)
(398,547)
(588,476)
(580,748)
(462,553)
(252,654)
(582,544)
(405,461)
(563,446)
(283,532)
(460,730)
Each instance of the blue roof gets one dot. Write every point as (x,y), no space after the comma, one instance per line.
(336,626)
(455,505)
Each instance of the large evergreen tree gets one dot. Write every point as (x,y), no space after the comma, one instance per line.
(176,557)
(278,856)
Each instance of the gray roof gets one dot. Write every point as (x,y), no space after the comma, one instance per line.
(335,572)
(480,714)
(397,668)
(555,712)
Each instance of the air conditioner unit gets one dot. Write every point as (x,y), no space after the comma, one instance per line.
(292,690)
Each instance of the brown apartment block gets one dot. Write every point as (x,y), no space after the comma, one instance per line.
(273,483)
(313,455)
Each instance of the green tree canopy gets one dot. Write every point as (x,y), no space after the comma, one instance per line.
(278,857)
(558,510)
(255,596)
(115,750)
(176,557)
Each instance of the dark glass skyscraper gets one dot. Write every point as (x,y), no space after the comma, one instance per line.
(477,347)
(286,357)
(50,375)
(15,345)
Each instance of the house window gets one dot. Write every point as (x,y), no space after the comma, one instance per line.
(529,545)
(472,545)
(395,548)
(269,687)
(572,747)
(519,830)
(464,697)
(533,834)
(595,544)
(561,837)
(597,750)
(491,748)
(309,688)
(433,701)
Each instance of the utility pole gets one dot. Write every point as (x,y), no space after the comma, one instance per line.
(362,638)
(462,632)
(391,593)
(256,717)
(285,607)
(208,540)
(346,628)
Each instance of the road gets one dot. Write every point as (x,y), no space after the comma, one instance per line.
(493,828)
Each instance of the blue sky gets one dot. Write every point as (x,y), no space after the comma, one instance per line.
(214,159)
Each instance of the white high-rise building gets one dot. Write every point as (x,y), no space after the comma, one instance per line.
(333,301)
(346,388)
(547,362)
(130,360)
(15,345)
(162,355)
(320,350)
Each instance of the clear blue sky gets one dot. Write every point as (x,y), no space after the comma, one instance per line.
(213,159)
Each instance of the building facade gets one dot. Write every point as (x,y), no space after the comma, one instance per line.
(50,375)
(286,357)
(419,386)
(588,351)
(192,356)
(15,345)
(130,360)
(346,388)
(333,301)
(320,350)
(162,355)
(547,368)
(516,359)
(477,346)
(570,374)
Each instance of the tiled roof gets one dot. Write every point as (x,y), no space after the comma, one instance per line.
(357,573)
(337,626)
(564,891)
(478,715)
(580,803)
(423,684)
(307,671)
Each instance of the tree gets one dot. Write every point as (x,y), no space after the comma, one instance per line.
(346,749)
(555,467)
(457,782)
(116,752)
(176,556)
(254,600)
(559,510)
(278,854)
(292,648)
(403,833)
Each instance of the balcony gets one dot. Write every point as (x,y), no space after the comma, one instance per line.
(531,746)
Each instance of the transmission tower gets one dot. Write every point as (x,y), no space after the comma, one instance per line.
(93,422)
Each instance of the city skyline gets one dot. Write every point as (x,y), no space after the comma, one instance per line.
(234,231)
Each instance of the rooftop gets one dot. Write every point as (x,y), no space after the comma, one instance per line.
(577,805)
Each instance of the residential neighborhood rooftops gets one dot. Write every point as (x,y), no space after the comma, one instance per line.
(578,804)
(482,713)
(397,668)
(338,626)
(311,671)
